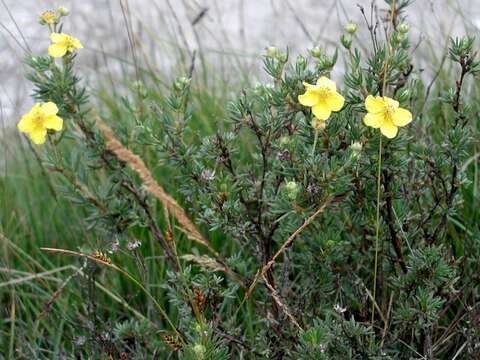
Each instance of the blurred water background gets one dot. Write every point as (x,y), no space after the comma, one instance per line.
(229,36)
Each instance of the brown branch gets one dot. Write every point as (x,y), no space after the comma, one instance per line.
(153,226)
(261,272)
(281,304)
(450,196)
(388,216)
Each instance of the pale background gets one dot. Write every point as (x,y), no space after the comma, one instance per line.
(231,35)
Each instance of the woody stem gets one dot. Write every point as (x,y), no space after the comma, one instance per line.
(377,233)
(315,142)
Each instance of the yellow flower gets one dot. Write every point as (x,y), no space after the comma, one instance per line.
(63,43)
(48,17)
(38,120)
(385,113)
(323,98)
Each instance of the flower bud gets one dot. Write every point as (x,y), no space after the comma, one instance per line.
(356,148)
(199,351)
(316,52)
(284,141)
(301,62)
(283,57)
(139,87)
(181,83)
(292,189)
(318,124)
(272,51)
(351,28)
(63,11)
(329,244)
(403,28)
(184,81)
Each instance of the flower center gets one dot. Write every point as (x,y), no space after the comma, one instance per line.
(49,17)
(38,119)
(388,111)
(68,43)
(323,92)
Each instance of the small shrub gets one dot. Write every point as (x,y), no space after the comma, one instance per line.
(311,221)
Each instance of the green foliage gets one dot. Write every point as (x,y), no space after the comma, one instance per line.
(250,176)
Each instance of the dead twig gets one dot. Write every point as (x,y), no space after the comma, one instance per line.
(261,272)
(281,304)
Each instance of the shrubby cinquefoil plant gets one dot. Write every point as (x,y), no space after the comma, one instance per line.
(321,218)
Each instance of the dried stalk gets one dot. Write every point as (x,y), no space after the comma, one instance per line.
(150,184)
(261,272)
(281,304)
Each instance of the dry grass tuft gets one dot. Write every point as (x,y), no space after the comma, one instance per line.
(150,184)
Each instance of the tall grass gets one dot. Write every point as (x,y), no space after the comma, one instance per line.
(42,295)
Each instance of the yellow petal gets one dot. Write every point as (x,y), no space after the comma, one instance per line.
(389,129)
(57,37)
(373,120)
(309,86)
(391,102)
(374,104)
(323,81)
(310,98)
(321,111)
(49,108)
(335,101)
(402,117)
(38,136)
(53,122)
(25,124)
(77,44)
(57,50)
